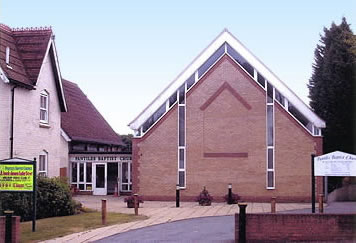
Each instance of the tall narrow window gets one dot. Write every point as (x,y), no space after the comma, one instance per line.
(44,107)
(270,174)
(181,180)
(42,164)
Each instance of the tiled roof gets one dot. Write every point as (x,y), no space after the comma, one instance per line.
(82,122)
(28,47)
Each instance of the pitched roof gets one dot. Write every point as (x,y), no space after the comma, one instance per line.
(214,48)
(83,122)
(28,48)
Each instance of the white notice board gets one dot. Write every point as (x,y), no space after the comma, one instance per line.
(335,164)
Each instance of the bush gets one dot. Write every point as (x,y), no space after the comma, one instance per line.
(53,199)
(204,198)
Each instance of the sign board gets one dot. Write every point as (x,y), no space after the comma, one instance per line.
(335,164)
(16,177)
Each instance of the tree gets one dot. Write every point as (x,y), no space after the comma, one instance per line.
(127,140)
(332,87)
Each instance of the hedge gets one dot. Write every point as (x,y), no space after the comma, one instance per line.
(53,199)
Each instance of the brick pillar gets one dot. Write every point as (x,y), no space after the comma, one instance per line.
(15,229)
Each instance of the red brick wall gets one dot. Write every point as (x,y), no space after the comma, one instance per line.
(222,151)
(15,229)
(298,227)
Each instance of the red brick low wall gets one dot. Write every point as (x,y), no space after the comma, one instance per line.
(298,227)
(15,229)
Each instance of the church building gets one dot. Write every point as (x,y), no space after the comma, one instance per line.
(226,119)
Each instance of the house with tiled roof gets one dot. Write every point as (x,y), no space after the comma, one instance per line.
(94,147)
(226,119)
(31,98)
(48,118)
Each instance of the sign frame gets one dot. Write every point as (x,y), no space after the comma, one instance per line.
(20,161)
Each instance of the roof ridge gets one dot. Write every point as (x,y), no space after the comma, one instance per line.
(29,29)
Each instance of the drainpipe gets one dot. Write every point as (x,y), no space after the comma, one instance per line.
(12,121)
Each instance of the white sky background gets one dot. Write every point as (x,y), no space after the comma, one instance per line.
(122,54)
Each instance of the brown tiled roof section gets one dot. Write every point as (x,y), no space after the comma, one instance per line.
(27,49)
(82,121)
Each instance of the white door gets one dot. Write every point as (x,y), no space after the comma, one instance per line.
(100,182)
(125,178)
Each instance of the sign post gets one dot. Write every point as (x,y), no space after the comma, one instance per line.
(19,175)
(332,164)
(313,183)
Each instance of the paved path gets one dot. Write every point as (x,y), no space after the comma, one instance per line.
(162,212)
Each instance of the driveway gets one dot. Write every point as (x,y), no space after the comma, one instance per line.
(207,229)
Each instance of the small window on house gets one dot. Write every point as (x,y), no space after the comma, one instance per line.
(190,81)
(173,99)
(261,80)
(8,55)
(279,97)
(181,93)
(269,93)
(44,107)
(238,58)
(270,125)
(43,164)
(181,126)
(211,60)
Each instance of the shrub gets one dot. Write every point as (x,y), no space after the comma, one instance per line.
(53,199)
(131,199)
(204,198)
(235,198)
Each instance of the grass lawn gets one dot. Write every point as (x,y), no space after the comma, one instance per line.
(59,226)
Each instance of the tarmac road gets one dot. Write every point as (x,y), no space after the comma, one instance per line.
(206,229)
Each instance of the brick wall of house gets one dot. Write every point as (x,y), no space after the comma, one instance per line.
(298,227)
(29,138)
(226,143)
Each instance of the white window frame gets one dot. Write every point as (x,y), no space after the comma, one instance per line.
(45,109)
(274,138)
(185,138)
(43,172)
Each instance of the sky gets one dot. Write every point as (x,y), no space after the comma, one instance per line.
(122,54)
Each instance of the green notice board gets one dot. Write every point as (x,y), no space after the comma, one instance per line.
(16,177)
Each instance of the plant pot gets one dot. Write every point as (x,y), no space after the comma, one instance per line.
(132,204)
(205,203)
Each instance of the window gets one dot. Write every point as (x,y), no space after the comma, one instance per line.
(261,80)
(42,164)
(81,176)
(270,173)
(211,60)
(44,107)
(238,58)
(181,177)
(190,81)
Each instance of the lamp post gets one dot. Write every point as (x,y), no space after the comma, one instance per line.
(229,201)
(177,196)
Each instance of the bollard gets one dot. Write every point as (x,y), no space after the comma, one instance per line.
(8,226)
(229,200)
(103,211)
(273,205)
(177,196)
(321,203)
(136,203)
(242,222)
